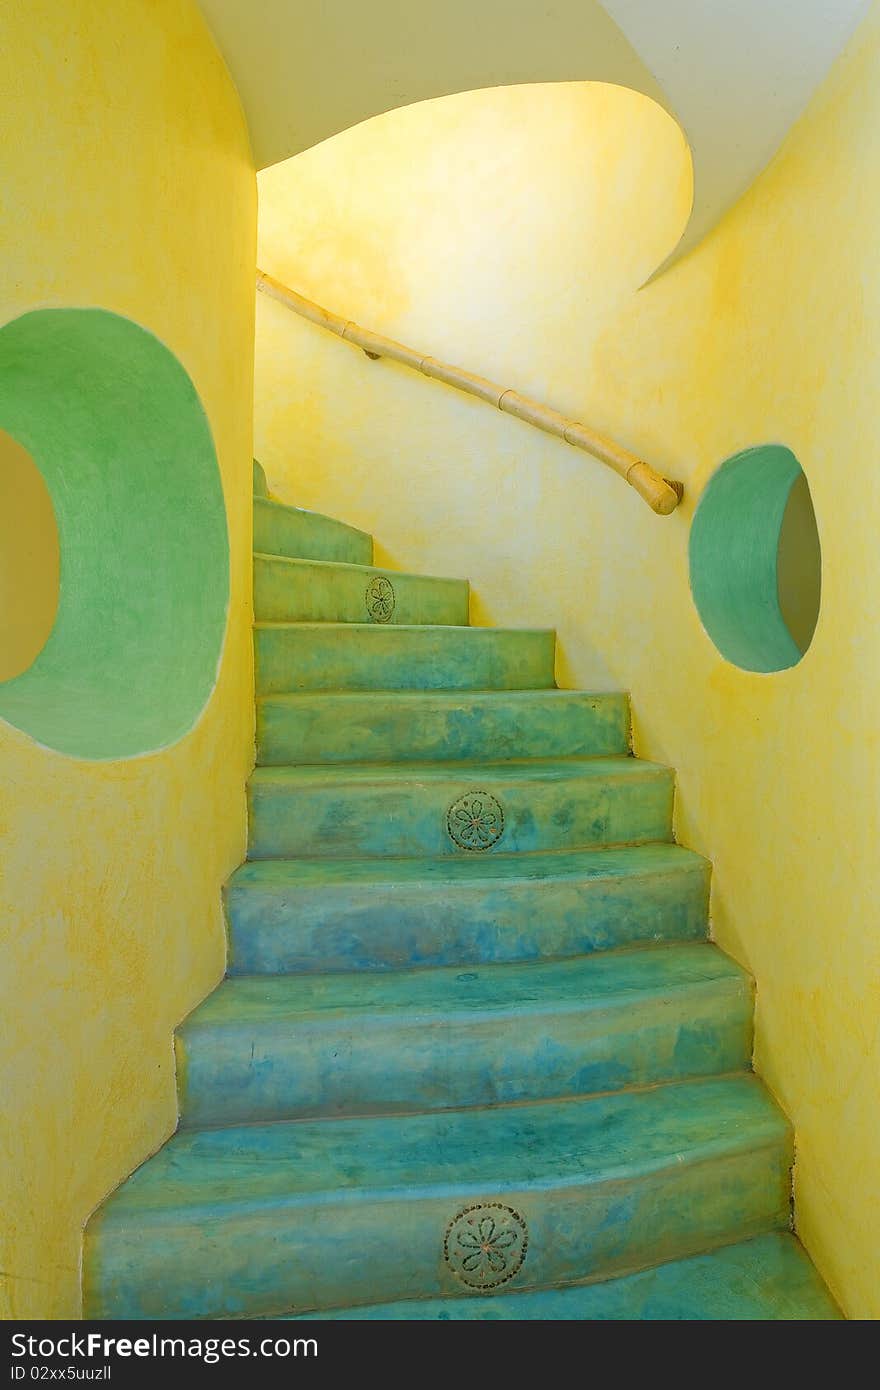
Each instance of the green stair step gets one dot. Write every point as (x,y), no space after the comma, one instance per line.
(439,725)
(325,591)
(319,1214)
(287,1047)
(375,914)
(404,809)
(766,1279)
(369,656)
(261,487)
(303,535)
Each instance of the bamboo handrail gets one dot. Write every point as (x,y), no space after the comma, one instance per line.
(661,494)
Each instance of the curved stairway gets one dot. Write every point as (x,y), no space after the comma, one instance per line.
(474,1056)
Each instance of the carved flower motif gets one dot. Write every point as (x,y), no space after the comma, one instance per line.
(485,1245)
(488,1247)
(380,599)
(475,821)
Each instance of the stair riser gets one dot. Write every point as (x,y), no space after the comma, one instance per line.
(395,658)
(769,1278)
(314,593)
(322,1252)
(328,728)
(290,1069)
(307,536)
(409,818)
(393,926)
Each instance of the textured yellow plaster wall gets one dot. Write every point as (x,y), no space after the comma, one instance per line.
(506,232)
(499,230)
(128,184)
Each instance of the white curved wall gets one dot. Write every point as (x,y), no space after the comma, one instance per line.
(735,73)
(307,71)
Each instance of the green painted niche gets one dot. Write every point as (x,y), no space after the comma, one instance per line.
(755,559)
(114,424)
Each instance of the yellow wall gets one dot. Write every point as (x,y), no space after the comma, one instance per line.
(485,228)
(506,232)
(29,559)
(128,184)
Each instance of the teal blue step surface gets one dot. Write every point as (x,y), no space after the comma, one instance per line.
(372,656)
(422,809)
(387,914)
(303,535)
(439,725)
(474,1057)
(285,1047)
(289,1217)
(766,1279)
(323,591)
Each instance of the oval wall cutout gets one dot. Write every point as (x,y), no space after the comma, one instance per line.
(29,560)
(113,424)
(755,560)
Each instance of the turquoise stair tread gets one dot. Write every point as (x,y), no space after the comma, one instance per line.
(769,1278)
(376,656)
(384,726)
(299,564)
(618,862)
(578,1142)
(288,1216)
(404,808)
(281,1047)
(302,590)
(386,913)
(509,772)
(438,700)
(280,529)
(582,983)
(307,513)
(287,510)
(469,989)
(418,630)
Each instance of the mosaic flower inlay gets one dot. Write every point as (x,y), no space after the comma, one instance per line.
(475,821)
(380,599)
(486,1244)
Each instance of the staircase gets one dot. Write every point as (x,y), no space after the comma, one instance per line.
(474,1057)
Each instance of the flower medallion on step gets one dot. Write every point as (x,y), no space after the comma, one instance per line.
(380,599)
(485,1245)
(475,821)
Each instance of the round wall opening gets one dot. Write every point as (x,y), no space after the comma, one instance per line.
(755,560)
(29,560)
(127,482)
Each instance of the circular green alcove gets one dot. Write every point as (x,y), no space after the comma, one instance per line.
(114,425)
(755,560)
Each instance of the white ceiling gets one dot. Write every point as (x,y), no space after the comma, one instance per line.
(735,73)
(307,69)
